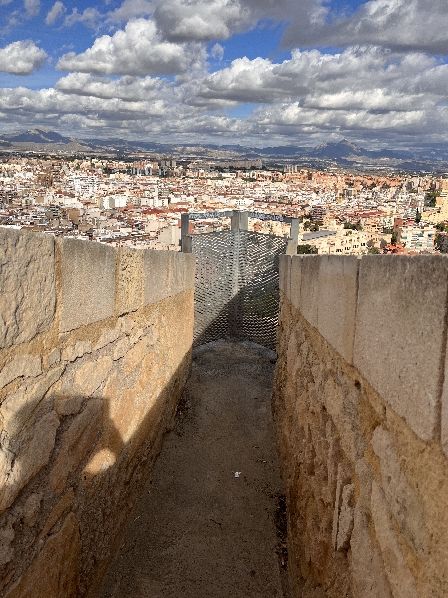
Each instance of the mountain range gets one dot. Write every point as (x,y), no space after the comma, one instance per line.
(426,157)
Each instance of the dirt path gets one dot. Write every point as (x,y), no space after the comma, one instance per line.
(205,525)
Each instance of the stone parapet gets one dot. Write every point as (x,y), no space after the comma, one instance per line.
(361,408)
(95,350)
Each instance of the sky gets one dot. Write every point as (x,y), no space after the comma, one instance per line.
(250,72)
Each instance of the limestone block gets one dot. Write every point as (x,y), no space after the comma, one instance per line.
(345,523)
(338,287)
(284,274)
(26,404)
(130,280)
(54,357)
(63,505)
(88,283)
(91,375)
(76,443)
(444,430)
(54,571)
(368,573)
(7,535)
(398,573)
(23,456)
(309,288)
(22,366)
(27,283)
(107,337)
(399,332)
(31,508)
(80,349)
(403,501)
(166,273)
(342,479)
(296,279)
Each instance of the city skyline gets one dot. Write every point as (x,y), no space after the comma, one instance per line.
(228,71)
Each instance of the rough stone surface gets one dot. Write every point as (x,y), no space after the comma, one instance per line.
(338,286)
(20,366)
(296,279)
(23,456)
(54,572)
(166,273)
(285,274)
(27,283)
(367,498)
(309,288)
(401,317)
(345,523)
(369,578)
(404,501)
(31,508)
(398,573)
(78,350)
(88,283)
(82,411)
(7,536)
(130,280)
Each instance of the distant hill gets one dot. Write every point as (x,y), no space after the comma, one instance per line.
(337,150)
(37,136)
(425,157)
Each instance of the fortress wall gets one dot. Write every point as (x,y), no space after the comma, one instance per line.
(94,352)
(361,406)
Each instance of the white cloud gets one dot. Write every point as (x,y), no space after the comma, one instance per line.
(136,50)
(21,57)
(55,12)
(131,9)
(90,17)
(32,7)
(125,88)
(398,24)
(217,52)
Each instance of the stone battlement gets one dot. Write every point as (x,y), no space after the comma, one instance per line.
(95,349)
(361,405)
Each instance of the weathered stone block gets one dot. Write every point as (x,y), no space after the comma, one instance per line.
(130,280)
(309,288)
(403,500)
(75,352)
(20,366)
(59,559)
(23,456)
(296,279)
(27,283)
(77,443)
(368,573)
(398,573)
(285,274)
(88,283)
(345,524)
(338,287)
(399,332)
(166,273)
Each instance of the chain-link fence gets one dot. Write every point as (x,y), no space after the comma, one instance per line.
(236,293)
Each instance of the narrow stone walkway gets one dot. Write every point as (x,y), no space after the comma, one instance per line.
(205,525)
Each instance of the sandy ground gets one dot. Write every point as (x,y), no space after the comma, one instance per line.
(206,523)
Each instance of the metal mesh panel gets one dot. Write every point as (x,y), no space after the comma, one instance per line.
(237,286)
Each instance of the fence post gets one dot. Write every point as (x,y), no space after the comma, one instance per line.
(239,224)
(185,238)
(293,240)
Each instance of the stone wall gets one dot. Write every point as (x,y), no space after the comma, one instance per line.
(94,351)
(361,405)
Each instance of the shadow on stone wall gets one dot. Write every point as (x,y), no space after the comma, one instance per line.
(73,467)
